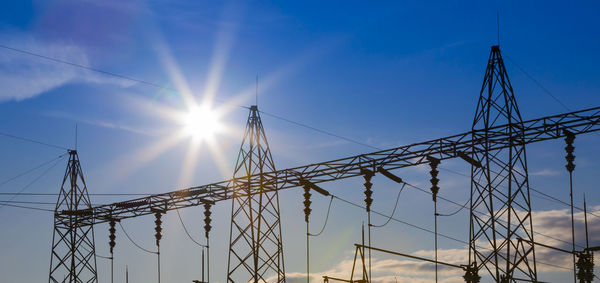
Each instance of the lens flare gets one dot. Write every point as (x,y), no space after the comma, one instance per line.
(201,123)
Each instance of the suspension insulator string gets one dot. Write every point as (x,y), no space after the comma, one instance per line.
(367,175)
(207,228)
(307,211)
(112,244)
(570,158)
(158,236)
(433,163)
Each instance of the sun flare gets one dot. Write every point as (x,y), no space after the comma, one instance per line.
(201,122)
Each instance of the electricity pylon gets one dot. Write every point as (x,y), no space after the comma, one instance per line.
(73,256)
(255,244)
(500,202)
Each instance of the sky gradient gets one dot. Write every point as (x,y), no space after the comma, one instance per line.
(385,75)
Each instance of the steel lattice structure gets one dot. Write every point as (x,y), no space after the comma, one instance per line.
(255,245)
(500,204)
(73,256)
(536,130)
(496,151)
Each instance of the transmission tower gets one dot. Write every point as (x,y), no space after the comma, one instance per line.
(255,245)
(500,204)
(73,256)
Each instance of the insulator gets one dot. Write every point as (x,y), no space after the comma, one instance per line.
(112,235)
(569,139)
(367,174)
(207,219)
(307,201)
(468,159)
(158,227)
(389,175)
(433,163)
(585,267)
(319,189)
(471,275)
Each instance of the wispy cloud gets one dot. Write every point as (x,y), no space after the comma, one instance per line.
(545,173)
(25,76)
(102,123)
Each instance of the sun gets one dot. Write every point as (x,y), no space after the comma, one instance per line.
(201,122)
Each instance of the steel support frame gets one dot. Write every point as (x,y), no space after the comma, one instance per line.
(73,256)
(256,248)
(500,187)
(468,143)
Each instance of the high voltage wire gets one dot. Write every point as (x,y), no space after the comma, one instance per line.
(85,67)
(26,207)
(458,204)
(187,232)
(326,219)
(395,207)
(170,88)
(548,197)
(32,141)
(133,242)
(31,169)
(32,182)
(266,113)
(91,194)
(319,130)
(432,232)
(537,82)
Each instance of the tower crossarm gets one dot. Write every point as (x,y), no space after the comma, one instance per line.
(536,130)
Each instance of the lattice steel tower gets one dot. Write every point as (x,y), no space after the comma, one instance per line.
(500,202)
(255,244)
(73,256)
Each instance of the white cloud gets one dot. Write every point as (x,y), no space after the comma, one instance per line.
(553,223)
(25,76)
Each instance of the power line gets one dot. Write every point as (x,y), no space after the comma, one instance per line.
(548,197)
(85,67)
(169,88)
(133,242)
(91,194)
(537,82)
(32,182)
(31,169)
(326,219)
(27,207)
(319,130)
(32,140)
(394,210)
(458,204)
(187,232)
(403,222)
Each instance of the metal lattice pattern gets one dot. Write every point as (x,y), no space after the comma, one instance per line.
(500,188)
(255,247)
(73,256)
(533,131)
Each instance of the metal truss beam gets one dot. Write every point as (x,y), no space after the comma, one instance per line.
(464,144)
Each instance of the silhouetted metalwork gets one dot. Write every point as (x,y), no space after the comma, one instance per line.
(500,187)
(535,130)
(495,148)
(433,164)
(158,236)
(570,158)
(255,246)
(207,228)
(73,257)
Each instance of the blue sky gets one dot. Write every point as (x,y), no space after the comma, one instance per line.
(384,74)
